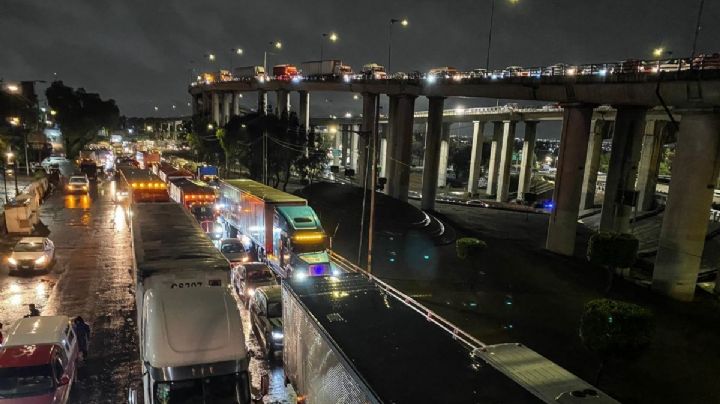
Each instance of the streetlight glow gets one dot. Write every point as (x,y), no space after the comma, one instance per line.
(657,52)
(210,126)
(238,51)
(53,112)
(333,37)
(211,57)
(13,88)
(404,22)
(278,45)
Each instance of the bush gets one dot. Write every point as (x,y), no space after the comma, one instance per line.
(469,247)
(615,250)
(615,328)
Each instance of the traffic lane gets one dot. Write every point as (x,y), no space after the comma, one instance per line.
(99,287)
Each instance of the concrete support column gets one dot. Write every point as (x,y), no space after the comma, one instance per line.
(383,158)
(227,107)
(682,238)
(262,102)
(528,155)
(508,144)
(337,153)
(391,143)
(399,180)
(568,179)
(236,103)
(216,109)
(354,141)
(283,102)
(649,166)
(476,157)
(304,111)
(368,125)
(624,156)
(444,155)
(344,136)
(431,162)
(195,107)
(598,130)
(494,164)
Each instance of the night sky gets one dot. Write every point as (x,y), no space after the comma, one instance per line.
(142,53)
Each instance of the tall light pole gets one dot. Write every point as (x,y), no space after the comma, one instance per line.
(404,22)
(234,51)
(332,37)
(210,57)
(698,27)
(492,16)
(275,45)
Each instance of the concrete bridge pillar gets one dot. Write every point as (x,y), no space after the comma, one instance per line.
(391,144)
(354,143)
(402,132)
(620,183)
(368,125)
(444,155)
(528,154)
(216,108)
(344,136)
(649,166)
(304,110)
(236,103)
(262,102)
(227,107)
(506,152)
(682,238)
(568,179)
(338,152)
(283,102)
(431,162)
(598,130)
(478,141)
(494,164)
(195,105)
(383,157)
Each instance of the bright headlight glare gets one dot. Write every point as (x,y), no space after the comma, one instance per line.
(251,292)
(40,260)
(12,261)
(276,335)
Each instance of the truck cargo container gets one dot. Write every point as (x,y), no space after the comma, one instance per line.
(350,339)
(190,193)
(249,72)
(140,185)
(283,229)
(146,159)
(191,339)
(167,172)
(324,69)
(374,71)
(285,72)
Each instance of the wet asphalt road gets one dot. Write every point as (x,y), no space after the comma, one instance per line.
(92,278)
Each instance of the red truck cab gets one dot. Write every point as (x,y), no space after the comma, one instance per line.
(285,72)
(38,363)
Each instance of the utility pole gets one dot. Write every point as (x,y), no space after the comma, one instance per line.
(373,181)
(698,27)
(492,14)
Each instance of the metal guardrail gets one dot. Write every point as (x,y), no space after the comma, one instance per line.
(471,342)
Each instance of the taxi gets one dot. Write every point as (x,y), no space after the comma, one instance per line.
(38,362)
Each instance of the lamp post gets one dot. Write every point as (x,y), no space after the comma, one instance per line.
(332,37)
(276,45)
(403,22)
(698,27)
(492,15)
(234,51)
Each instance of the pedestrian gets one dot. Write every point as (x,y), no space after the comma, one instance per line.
(34,312)
(82,331)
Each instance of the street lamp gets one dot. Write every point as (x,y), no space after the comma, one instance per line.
(234,51)
(492,15)
(658,52)
(332,37)
(277,45)
(403,22)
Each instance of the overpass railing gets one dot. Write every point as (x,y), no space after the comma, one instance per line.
(468,340)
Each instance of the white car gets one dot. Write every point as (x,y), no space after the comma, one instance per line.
(78,183)
(48,162)
(32,253)
(235,250)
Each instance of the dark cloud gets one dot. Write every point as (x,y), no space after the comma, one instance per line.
(141,52)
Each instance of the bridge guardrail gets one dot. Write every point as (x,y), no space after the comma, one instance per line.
(470,342)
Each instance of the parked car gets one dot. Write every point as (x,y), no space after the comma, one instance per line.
(235,251)
(38,361)
(249,276)
(32,253)
(78,184)
(266,318)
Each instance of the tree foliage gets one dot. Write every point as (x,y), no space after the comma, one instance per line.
(468,248)
(615,328)
(80,115)
(614,250)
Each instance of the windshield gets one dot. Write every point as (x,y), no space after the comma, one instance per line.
(308,247)
(274,309)
(78,180)
(260,275)
(28,247)
(233,248)
(216,389)
(25,381)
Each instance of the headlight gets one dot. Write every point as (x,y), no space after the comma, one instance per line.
(245,259)
(84,187)
(251,292)
(12,261)
(40,260)
(276,335)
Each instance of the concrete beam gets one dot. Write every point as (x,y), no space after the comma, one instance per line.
(528,156)
(403,127)
(431,162)
(216,109)
(568,179)
(598,129)
(695,169)
(494,164)
(508,144)
(649,166)
(444,155)
(624,156)
(476,157)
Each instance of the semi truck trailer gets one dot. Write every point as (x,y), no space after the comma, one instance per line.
(324,69)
